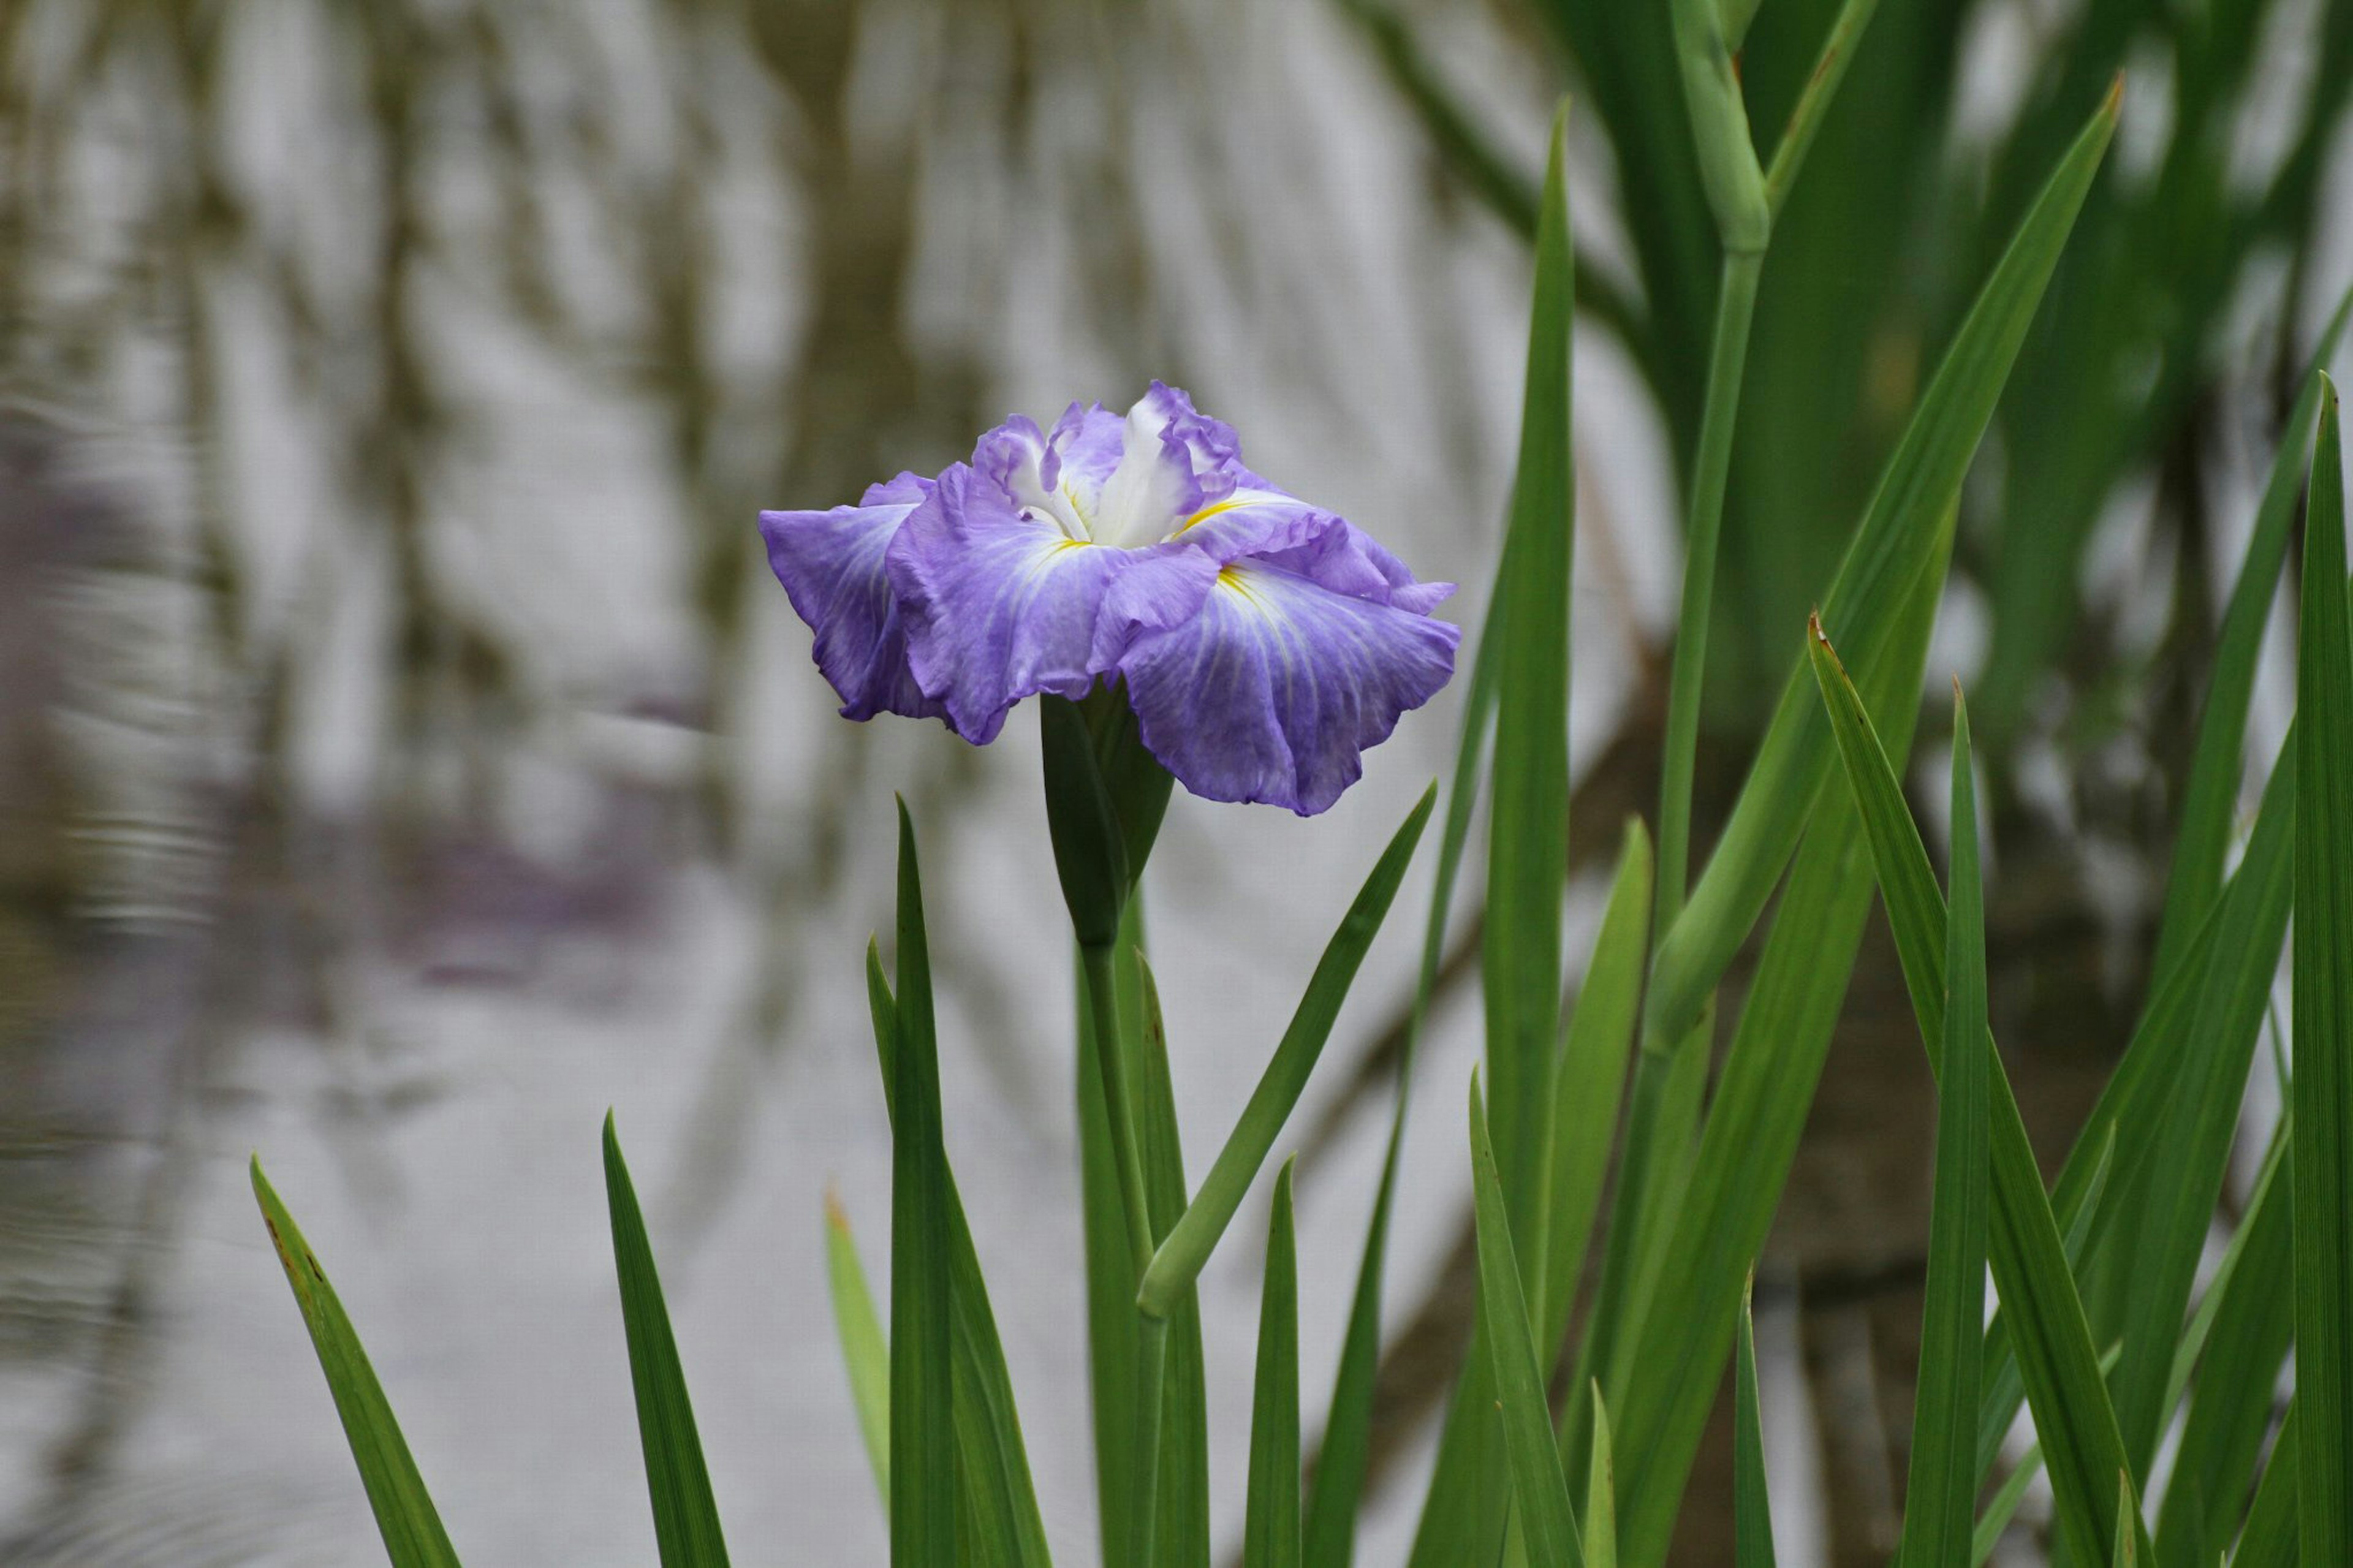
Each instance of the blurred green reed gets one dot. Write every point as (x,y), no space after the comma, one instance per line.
(1573,1432)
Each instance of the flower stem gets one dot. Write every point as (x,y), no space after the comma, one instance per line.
(1736,307)
(1112,1055)
(1150,1368)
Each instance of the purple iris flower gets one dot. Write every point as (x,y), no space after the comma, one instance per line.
(1262,642)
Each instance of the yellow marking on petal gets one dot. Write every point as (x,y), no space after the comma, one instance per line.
(1236,581)
(1214,507)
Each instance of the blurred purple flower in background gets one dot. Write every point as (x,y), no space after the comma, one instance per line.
(1263,643)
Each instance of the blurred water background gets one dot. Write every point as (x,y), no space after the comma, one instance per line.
(405,754)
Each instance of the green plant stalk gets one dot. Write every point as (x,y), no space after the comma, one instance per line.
(1736,308)
(1916,492)
(1152,1370)
(1729,177)
(1112,1056)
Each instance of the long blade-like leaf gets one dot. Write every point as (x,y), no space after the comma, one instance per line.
(2270,1539)
(2198,1124)
(1185,1250)
(1600,1538)
(1528,854)
(1678,1323)
(1181,1504)
(1547,1523)
(1527,857)
(2212,795)
(1270,1510)
(922,1406)
(2244,1325)
(2323,983)
(413,1536)
(1752,1499)
(999,1522)
(1942,1482)
(1898,533)
(1346,1452)
(686,1516)
(2060,1369)
(865,1349)
(1591,1081)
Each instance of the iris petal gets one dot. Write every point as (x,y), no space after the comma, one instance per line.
(1000,605)
(1272,690)
(831,564)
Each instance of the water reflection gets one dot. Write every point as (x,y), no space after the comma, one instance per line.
(406,755)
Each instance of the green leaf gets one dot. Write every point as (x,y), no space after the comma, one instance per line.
(1527,857)
(1527,860)
(1821,85)
(2002,1390)
(2012,1491)
(2003,1508)
(2323,985)
(1601,1540)
(1940,1490)
(2243,1326)
(1546,1520)
(2125,1552)
(2130,1113)
(2198,1122)
(922,1406)
(1752,1499)
(1591,1081)
(999,1522)
(1346,1452)
(413,1536)
(1899,533)
(1112,1320)
(2210,798)
(1664,1383)
(1186,1249)
(1181,1504)
(2270,1539)
(1270,1513)
(686,1516)
(2060,1369)
(864,1350)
